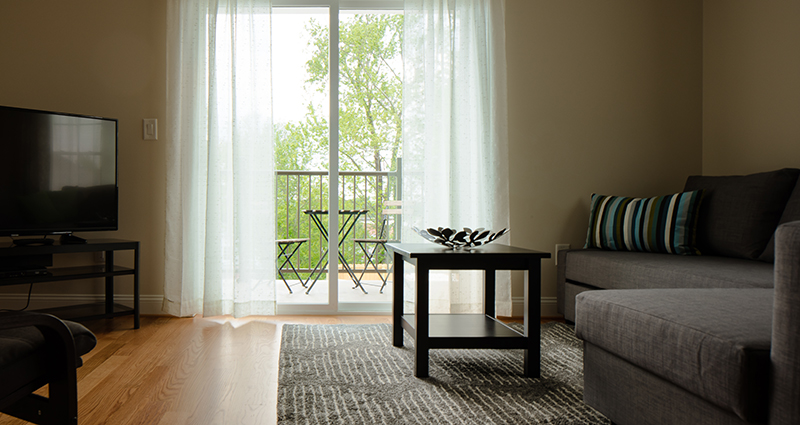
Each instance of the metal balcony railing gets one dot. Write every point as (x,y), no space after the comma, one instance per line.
(297,191)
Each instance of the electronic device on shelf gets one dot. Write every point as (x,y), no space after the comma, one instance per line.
(8,274)
(58,174)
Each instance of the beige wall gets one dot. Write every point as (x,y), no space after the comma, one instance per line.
(603,97)
(751,86)
(620,97)
(106,58)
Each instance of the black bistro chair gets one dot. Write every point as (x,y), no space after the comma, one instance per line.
(372,247)
(287,249)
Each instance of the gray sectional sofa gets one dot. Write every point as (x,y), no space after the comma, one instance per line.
(711,339)
(738,217)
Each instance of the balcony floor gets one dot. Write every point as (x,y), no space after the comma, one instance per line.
(347,292)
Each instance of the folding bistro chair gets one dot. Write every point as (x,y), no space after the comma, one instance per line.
(286,249)
(371,247)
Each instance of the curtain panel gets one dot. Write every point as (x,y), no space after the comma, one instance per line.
(455,165)
(220,232)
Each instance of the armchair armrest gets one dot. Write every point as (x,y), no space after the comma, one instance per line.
(51,327)
(62,359)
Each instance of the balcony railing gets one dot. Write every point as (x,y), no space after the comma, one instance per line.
(297,191)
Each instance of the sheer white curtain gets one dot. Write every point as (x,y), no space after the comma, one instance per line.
(220,237)
(455,161)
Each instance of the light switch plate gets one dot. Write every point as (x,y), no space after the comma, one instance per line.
(150,129)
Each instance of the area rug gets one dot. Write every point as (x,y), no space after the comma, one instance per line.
(351,374)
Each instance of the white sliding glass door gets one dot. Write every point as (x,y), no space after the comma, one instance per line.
(337,120)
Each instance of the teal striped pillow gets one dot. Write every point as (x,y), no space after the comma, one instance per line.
(665,224)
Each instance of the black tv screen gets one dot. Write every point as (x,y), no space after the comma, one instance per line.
(58,172)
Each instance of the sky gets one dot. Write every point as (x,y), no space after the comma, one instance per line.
(290,51)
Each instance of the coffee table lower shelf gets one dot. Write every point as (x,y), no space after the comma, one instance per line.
(466,331)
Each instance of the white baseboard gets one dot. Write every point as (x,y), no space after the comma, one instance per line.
(148,304)
(549,307)
(151,304)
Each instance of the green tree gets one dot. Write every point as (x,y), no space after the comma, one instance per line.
(370,119)
(299,145)
(370,99)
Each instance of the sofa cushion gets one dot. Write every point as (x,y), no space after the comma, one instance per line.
(740,213)
(640,270)
(663,224)
(711,342)
(790,213)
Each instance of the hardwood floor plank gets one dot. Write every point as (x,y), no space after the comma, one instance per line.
(193,356)
(256,379)
(174,418)
(109,367)
(117,389)
(145,405)
(205,378)
(185,371)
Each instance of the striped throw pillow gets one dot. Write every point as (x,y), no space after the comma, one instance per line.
(665,224)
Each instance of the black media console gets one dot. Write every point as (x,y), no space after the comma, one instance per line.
(33,262)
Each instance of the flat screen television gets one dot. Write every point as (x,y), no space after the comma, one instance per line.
(58,173)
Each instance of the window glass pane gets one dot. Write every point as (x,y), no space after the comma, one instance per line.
(300,80)
(370,114)
(300,88)
(370,134)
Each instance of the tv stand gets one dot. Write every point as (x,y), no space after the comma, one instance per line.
(109,271)
(69,238)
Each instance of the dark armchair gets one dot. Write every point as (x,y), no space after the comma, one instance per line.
(38,349)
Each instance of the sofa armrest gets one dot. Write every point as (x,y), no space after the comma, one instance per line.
(785,351)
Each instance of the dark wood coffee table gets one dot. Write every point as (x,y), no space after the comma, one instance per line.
(431,331)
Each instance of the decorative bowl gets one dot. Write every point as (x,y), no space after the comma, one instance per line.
(458,239)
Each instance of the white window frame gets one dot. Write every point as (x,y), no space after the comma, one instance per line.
(343,4)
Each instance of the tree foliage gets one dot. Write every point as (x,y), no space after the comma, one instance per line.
(370,102)
(370,124)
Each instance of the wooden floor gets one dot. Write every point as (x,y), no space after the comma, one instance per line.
(193,371)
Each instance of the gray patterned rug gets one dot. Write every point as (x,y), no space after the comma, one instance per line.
(351,374)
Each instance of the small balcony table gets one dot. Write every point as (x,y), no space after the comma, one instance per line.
(345,227)
(430,331)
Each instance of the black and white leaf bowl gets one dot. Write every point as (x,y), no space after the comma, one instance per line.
(458,239)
